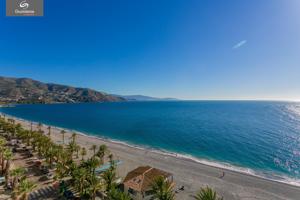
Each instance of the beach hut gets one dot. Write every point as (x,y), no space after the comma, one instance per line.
(138,182)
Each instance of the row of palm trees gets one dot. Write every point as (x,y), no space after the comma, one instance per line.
(81,171)
(5,158)
(21,186)
(64,158)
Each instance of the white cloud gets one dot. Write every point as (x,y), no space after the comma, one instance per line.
(239,44)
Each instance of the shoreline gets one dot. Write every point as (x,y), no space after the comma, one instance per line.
(187,157)
(161,156)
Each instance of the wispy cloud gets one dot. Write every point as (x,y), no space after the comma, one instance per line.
(239,44)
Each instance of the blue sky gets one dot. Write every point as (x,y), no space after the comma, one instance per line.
(192,49)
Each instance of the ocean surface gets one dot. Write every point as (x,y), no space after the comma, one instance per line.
(261,138)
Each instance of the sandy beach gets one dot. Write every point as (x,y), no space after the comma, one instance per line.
(188,173)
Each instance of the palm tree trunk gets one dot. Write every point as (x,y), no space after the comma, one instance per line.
(6,178)
(2,165)
(7,166)
(1,157)
(14,182)
(26,196)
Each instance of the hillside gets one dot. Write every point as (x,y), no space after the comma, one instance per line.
(25,90)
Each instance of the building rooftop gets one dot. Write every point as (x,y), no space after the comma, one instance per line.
(141,178)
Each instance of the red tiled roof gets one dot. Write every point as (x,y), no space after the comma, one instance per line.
(141,178)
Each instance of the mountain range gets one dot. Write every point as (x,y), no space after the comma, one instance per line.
(143,98)
(26,90)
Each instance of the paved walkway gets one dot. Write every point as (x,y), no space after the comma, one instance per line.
(47,192)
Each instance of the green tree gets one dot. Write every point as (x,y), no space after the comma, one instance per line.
(101,152)
(83,153)
(109,177)
(116,194)
(207,194)
(95,184)
(80,179)
(93,163)
(93,148)
(7,157)
(16,174)
(73,137)
(2,150)
(162,189)
(24,189)
(50,153)
(72,146)
(77,149)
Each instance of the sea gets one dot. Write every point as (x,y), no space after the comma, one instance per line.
(261,138)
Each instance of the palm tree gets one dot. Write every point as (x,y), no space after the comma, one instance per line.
(83,153)
(162,189)
(109,177)
(95,185)
(71,148)
(111,158)
(2,150)
(207,194)
(73,137)
(8,128)
(17,173)
(116,194)
(43,143)
(60,170)
(50,153)
(28,137)
(77,149)
(59,150)
(24,188)
(18,129)
(7,157)
(101,152)
(93,163)
(79,176)
(13,128)
(63,135)
(93,148)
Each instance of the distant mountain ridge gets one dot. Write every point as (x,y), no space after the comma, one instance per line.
(144,98)
(26,90)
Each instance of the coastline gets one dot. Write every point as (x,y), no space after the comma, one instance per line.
(246,183)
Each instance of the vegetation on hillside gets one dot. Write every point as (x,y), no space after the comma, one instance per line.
(25,90)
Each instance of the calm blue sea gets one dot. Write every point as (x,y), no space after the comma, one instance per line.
(258,137)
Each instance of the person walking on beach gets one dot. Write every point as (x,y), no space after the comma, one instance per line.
(223,174)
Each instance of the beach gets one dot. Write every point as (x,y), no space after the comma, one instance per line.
(192,175)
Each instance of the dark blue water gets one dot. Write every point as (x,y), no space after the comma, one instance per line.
(261,136)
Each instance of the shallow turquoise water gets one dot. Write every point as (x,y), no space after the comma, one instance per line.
(261,136)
